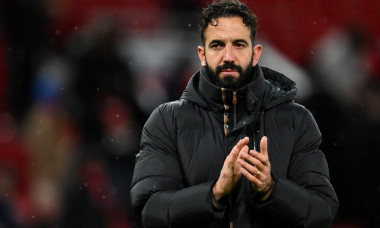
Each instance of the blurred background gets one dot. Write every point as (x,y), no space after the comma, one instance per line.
(78,79)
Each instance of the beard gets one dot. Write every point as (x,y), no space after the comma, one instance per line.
(230,81)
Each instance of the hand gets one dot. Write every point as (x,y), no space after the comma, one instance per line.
(255,166)
(231,171)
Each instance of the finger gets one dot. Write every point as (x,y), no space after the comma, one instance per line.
(264,145)
(252,178)
(253,161)
(237,148)
(243,152)
(256,158)
(249,167)
(259,156)
(242,142)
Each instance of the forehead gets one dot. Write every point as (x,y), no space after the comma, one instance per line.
(227,28)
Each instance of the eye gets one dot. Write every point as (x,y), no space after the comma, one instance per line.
(240,45)
(216,46)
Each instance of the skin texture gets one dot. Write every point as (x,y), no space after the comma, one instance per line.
(228,43)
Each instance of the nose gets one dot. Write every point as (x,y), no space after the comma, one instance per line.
(228,54)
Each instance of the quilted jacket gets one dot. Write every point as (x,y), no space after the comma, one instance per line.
(185,142)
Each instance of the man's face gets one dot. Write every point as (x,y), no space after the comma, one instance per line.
(228,53)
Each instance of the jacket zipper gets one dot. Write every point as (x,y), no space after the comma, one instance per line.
(226,131)
(234,102)
(225,116)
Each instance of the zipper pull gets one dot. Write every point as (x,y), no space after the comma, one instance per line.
(234,97)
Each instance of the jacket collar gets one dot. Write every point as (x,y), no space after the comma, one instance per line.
(249,96)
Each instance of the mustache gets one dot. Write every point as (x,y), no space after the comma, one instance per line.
(230,65)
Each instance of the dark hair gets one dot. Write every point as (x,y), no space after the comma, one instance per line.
(227,8)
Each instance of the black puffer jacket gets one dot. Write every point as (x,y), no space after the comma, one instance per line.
(184,144)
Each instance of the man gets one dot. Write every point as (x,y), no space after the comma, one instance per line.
(234,150)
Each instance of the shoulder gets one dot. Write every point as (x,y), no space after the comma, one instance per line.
(173,108)
(291,114)
(289,108)
(170,112)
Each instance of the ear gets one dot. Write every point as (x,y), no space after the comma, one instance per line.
(201,55)
(256,54)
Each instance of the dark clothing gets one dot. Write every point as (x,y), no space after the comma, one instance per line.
(184,144)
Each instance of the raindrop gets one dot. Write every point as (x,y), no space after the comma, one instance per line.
(75,28)
(9,49)
(312,52)
(85,184)
(97,89)
(117,115)
(189,25)
(111,140)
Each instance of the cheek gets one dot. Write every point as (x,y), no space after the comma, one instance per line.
(214,60)
(246,60)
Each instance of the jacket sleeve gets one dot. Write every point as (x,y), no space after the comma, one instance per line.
(305,198)
(159,192)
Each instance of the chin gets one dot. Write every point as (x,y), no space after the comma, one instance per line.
(229,81)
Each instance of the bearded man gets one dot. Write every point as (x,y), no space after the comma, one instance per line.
(235,150)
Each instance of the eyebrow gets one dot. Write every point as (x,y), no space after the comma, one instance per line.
(240,41)
(222,42)
(215,42)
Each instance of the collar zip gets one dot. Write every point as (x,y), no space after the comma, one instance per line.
(234,102)
(226,117)
(226,108)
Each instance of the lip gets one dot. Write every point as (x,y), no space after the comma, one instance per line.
(229,70)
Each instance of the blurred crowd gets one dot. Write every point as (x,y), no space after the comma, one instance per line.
(78,79)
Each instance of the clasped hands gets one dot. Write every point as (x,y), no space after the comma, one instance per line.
(255,166)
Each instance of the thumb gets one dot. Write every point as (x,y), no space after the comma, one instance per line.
(264,145)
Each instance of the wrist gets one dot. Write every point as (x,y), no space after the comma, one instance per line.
(217,192)
(269,186)
(265,195)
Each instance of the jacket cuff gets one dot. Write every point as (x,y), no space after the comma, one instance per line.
(263,196)
(218,204)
